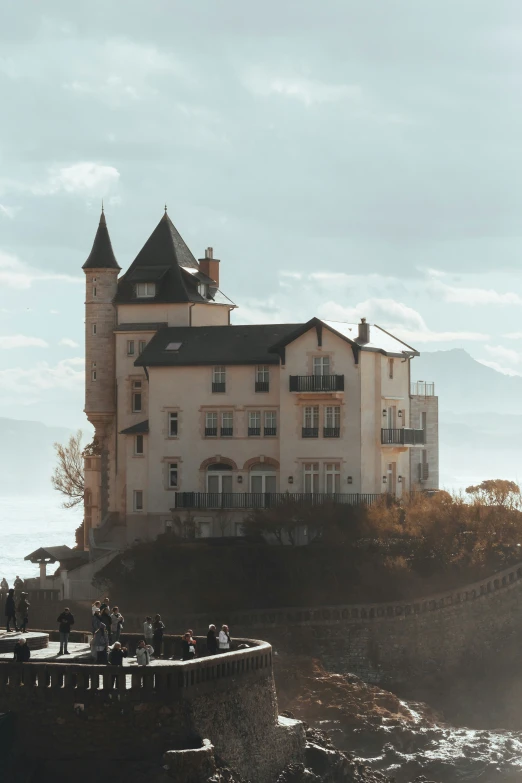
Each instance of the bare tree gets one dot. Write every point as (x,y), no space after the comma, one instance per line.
(68,475)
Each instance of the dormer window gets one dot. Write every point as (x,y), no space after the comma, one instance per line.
(145,290)
(203,290)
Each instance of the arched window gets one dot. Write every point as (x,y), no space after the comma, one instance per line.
(219,477)
(263,478)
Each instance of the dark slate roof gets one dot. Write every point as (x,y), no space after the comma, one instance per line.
(137,429)
(54,553)
(102,255)
(164,259)
(215,345)
(142,327)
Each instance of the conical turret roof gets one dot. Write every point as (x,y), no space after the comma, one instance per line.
(102,255)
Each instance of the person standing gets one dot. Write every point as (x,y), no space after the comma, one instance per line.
(157,636)
(116,624)
(187,648)
(100,644)
(10,610)
(96,607)
(22,653)
(23,612)
(143,654)
(224,639)
(212,645)
(4,586)
(106,619)
(65,619)
(18,585)
(148,630)
(117,654)
(105,604)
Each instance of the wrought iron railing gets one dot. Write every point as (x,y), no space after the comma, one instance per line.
(316,383)
(331,432)
(270,432)
(218,387)
(250,500)
(310,432)
(405,436)
(422,389)
(262,386)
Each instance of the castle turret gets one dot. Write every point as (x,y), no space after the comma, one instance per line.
(101,278)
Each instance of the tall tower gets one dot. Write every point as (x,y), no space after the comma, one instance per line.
(101,281)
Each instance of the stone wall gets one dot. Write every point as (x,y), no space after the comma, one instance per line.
(67,710)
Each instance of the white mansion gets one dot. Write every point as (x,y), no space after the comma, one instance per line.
(196,416)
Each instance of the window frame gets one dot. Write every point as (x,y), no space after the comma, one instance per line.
(136,391)
(131,346)
(141,290)
(390,368)
(172,468)
(334,472)
(314,471)
(213,427)
(270,431)
(94,330)
(142,344)
(172,416)
(138,504)
(139,439)
(321,360)
(226,431)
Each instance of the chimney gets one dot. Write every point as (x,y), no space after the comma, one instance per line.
(210,265)
(364,331)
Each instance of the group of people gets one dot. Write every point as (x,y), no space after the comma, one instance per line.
(16,611)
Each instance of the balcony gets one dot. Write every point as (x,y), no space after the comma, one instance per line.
(262,386)
(310,432)
(226,432)
(331,432)
(252,500)
(405,436)
(218,388)
(270,432)
(316,383)
(253,431)
(422,389)
(210,432)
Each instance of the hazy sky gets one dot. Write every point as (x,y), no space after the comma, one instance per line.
(344,158)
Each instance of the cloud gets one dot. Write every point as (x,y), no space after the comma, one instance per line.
(499,368)
(85,177)
(8,212)
(306,91)
(23,384)
(7,342)
(68,342)
(403,321)
(513,336)
(507,354)
(14,273)
(471,296)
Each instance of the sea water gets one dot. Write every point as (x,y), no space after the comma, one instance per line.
(27,523)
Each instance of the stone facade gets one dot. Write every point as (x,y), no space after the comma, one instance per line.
(424,460)
(68,710)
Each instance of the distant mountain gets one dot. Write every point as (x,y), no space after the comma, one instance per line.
(27,458)
(467,386)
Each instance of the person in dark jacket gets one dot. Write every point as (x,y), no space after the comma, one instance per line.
(187,648)
(10,611)
(105,617)
(212,645)
(100,644)
(23,612)
(65,619)
(22,653)
(117,654)
(157,637)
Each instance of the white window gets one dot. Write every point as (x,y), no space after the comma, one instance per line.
(138,444)
(173,475)
(138,500)
(332,421)
(211,420)
(219,478)
(141,346)
(254,422)
(321,365)
(263,479)
(93,371)
(311,421)
(219,377)
(390,368)
(332,478)
(203,290)
(311,477)
(173,425)
(227,423)
(270,423)
(136,397)
(262,378)
(145,290)
(130,347)
(94,328)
